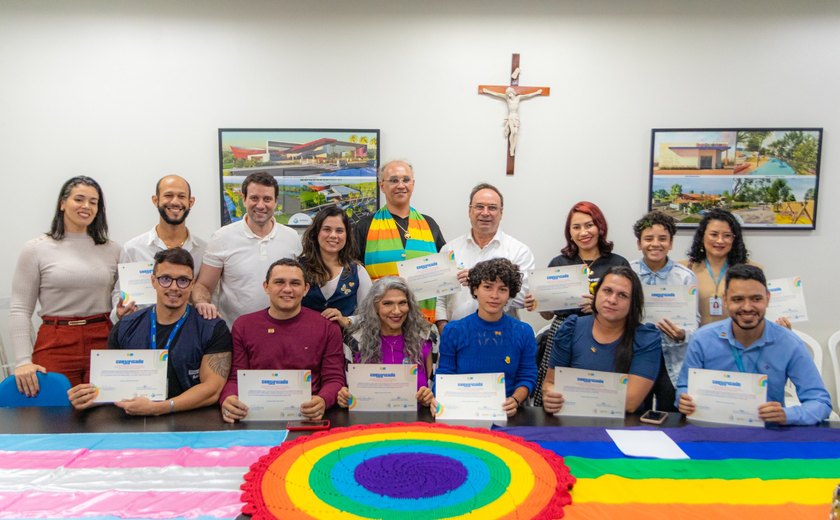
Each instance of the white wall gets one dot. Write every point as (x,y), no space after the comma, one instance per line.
(128,91)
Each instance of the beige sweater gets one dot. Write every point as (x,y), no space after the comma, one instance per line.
(72,277)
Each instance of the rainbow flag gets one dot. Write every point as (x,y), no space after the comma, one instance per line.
(734,473)
(128,475)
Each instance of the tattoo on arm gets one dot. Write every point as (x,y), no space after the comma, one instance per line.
(220,363)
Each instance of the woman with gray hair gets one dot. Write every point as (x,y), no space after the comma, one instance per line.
(391,330)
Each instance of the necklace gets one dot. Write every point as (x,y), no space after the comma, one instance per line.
(391,342)
(588,269)
(406,232)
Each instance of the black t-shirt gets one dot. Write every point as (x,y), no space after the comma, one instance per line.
(597,270)
(220,341)
(360,231)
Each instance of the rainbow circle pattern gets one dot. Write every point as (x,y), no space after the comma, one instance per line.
(420,470)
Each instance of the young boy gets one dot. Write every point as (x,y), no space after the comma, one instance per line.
(655,237)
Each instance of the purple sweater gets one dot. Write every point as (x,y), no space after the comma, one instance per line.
(306,342)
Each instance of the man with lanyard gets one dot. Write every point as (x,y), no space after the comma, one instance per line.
(199,349)
(397,232)
(748,343)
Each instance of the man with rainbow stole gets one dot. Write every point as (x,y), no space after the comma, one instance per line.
(397,232)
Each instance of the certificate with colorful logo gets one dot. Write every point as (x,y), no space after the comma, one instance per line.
(274,395)
(727,397)
(431,276)
(678,303)
(382,388)
(126,374)
(470,397)
(136,283)
(558,288)
(787,298)
(590,393)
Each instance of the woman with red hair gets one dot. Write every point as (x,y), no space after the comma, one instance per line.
(586,244)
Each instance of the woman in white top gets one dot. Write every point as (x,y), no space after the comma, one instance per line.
(337,282)
(71,272)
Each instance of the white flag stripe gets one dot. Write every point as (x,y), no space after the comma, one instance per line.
(169,478)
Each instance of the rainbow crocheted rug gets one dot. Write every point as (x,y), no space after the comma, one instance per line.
(417,471)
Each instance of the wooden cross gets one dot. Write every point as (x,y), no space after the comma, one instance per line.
(513,94)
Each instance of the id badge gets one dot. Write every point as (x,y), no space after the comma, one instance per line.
(715,306)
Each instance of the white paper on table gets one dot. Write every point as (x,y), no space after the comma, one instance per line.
(727,397)
(126,374)
(431,276)
(470,396)
(382,388)
(646,443)
(274,395)
(591,393)
(787,298)
(135,280)
(558,288)
(678,303)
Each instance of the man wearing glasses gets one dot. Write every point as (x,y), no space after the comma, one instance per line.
(199,349)
(397,232)
(485,241)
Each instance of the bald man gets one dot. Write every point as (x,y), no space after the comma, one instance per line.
(173,200)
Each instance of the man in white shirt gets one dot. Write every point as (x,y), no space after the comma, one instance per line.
(239,254)
(173,200)
(484,242)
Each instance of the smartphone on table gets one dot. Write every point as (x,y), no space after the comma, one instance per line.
(653,417)
(302,426)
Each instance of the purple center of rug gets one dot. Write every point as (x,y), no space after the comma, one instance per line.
(410,475)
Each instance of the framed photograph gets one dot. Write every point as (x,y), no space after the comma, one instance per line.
(767,177)
(314,168)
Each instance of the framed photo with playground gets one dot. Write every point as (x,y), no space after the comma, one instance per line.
(767,177)
(314,168)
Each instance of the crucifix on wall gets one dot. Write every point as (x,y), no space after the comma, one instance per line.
(513,94)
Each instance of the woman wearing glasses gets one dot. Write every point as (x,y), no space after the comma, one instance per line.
(337,282)
(718,245)
(70,271)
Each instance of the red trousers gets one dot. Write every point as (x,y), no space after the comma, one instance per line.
(66,348)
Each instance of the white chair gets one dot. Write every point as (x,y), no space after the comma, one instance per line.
(834,351)
(815,350)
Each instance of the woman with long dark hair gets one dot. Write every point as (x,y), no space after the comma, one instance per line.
(337,282)
(718,245)
(611,339)
(391,330)
(70,271)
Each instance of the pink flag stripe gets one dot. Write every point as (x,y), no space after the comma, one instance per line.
(129,504)
(128,458)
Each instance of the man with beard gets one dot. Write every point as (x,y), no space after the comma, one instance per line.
(173,200)
(199,349)
(746,342)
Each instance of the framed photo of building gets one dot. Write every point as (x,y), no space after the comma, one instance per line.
(767,177)
(314,168)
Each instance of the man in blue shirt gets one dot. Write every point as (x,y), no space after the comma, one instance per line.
(746,342)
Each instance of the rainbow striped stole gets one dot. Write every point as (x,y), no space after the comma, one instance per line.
(733,473)
(384,248)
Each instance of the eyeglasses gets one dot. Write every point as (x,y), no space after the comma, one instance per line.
(393,181)
(481,208)
(182,281)
(715,236)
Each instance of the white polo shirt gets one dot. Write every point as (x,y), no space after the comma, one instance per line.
(467,254)
(143,248)
(244,258)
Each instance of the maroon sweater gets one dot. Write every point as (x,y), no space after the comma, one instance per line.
(306,342)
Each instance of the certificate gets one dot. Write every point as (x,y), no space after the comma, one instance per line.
(274,395)
(558,288)
(430,276)
(678,303)
(787,298)
(727,397)
(470,397)
(382,388)
(590,393)
(136,283)
(126,374)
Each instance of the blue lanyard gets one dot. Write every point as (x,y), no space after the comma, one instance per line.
(153,339)
(739,360)
(720,275)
